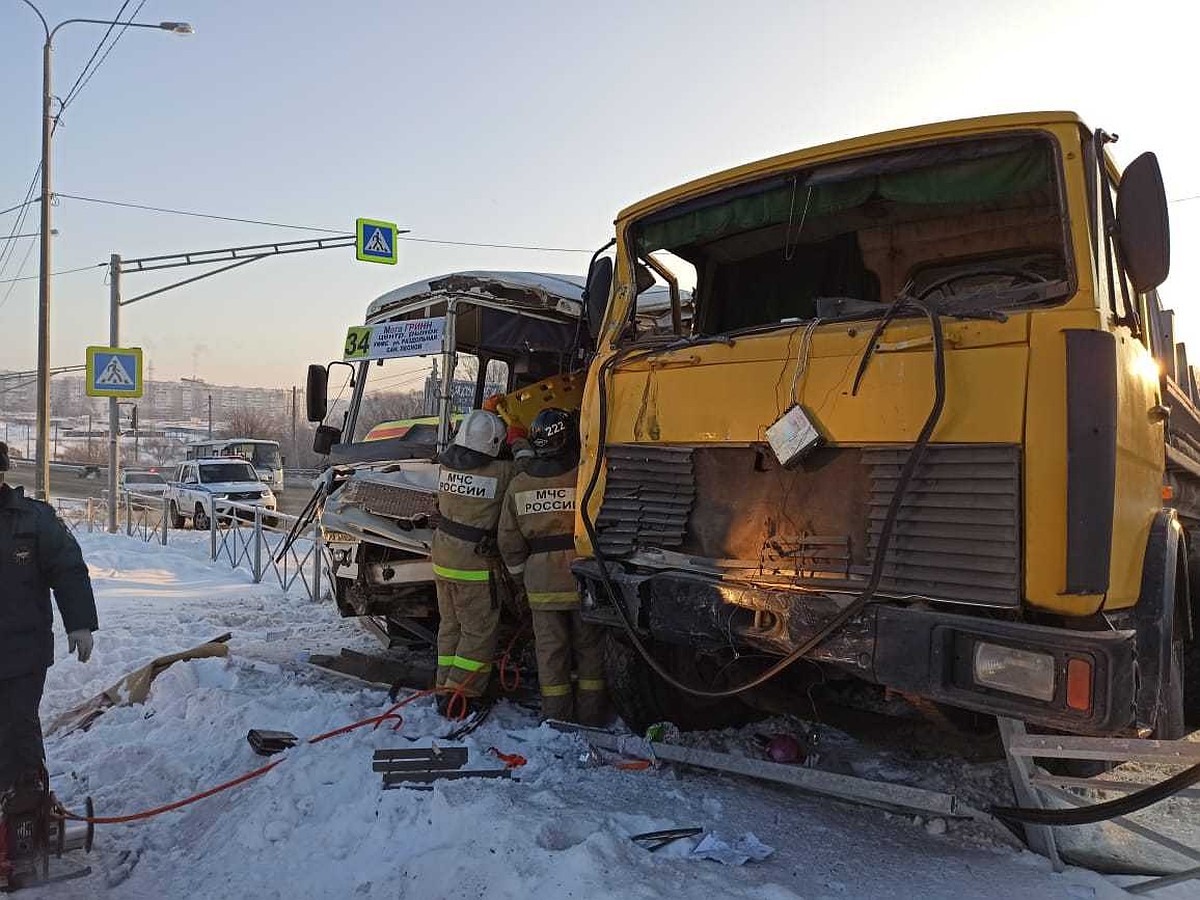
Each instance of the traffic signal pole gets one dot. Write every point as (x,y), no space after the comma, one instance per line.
(233,257)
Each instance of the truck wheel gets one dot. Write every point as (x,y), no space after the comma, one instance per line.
(1170,725)
(1190,656)
(177,521)
(1190,662)
(200,519)
(643,698)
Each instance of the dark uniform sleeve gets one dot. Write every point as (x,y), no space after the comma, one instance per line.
(63,569)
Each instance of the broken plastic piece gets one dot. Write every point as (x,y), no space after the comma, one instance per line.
(656,840)
(268,743)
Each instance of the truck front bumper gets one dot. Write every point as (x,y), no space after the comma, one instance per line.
(1089,676)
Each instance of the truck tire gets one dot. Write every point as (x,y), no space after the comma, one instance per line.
(200,518)
(1190,661)
(642,698)
(176,520)
(1171,712)
(1171,726)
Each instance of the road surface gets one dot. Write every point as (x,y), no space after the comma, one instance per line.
(67,485)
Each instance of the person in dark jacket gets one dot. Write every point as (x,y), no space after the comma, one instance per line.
(37,555)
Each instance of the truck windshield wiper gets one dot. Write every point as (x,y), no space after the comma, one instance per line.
(990,302)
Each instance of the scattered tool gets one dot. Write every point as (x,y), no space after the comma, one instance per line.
(510,760)
(34,838)
(656,840)
(419,767)
(469,724)
(268,743)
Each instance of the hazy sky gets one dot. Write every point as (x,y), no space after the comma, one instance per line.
(516,122)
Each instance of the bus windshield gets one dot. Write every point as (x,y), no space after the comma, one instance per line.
(263,455)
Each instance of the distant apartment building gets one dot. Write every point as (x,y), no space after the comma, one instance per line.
(186,399)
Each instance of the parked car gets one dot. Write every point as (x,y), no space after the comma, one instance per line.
(149,483)
(198,483)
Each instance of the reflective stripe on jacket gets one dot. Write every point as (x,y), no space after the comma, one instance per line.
(540,504)
(471,497)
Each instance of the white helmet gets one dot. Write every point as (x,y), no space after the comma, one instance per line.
(483,432)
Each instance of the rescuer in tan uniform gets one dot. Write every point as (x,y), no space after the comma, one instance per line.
(471,485)
(536,538)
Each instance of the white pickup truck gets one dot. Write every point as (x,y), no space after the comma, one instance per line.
(197,484)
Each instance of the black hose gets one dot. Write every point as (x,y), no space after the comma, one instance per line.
(306,516)
(1101,812)
(914,459)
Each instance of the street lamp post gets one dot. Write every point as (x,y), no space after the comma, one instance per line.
(42,483)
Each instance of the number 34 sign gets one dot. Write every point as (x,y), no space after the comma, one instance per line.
(391,340)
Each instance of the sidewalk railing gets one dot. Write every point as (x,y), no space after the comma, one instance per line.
(243,535)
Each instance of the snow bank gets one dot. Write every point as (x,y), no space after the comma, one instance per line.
(320,826)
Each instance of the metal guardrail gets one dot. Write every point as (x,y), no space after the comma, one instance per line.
(1031,783)
(244,535)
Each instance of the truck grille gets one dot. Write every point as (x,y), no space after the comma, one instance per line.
(647,498)
(958,534)
(389,500)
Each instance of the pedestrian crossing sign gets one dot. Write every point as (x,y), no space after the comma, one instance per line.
(375,241)
(114,372)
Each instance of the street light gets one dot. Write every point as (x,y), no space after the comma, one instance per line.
(42,483)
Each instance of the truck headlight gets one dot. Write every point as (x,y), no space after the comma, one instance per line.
(1015,671)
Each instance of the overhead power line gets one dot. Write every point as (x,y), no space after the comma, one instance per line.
(59,272)
(88,77)
(83,73)
(22,205)
(197,215)
(200,215)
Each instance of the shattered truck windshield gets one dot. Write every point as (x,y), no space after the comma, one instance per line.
(967,225)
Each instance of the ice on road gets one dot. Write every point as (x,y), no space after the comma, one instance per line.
(319,825)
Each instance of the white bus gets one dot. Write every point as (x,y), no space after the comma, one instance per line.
(263,455)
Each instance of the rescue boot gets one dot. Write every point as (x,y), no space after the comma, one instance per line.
(592,707)
(25,812)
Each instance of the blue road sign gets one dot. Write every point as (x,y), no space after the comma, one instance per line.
(114,372)
(375,241)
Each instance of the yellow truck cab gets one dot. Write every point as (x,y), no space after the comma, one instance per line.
(925,424)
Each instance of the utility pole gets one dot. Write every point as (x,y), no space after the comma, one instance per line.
(89,437)
(114,412)
(210,417)
(295,445)
(56,440)
(42,475)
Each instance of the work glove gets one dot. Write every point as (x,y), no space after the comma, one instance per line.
(80,642)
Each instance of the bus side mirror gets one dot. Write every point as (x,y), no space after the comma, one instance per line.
(316,393)
(595,294)
(1143,230)
(324,439)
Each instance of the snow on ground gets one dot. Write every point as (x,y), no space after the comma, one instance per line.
(319,826)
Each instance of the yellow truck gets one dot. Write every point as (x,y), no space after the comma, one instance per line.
(925,425)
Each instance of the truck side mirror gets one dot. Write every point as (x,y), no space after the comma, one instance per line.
(595,294)
(316,393)
(1143,230)
(324,439)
